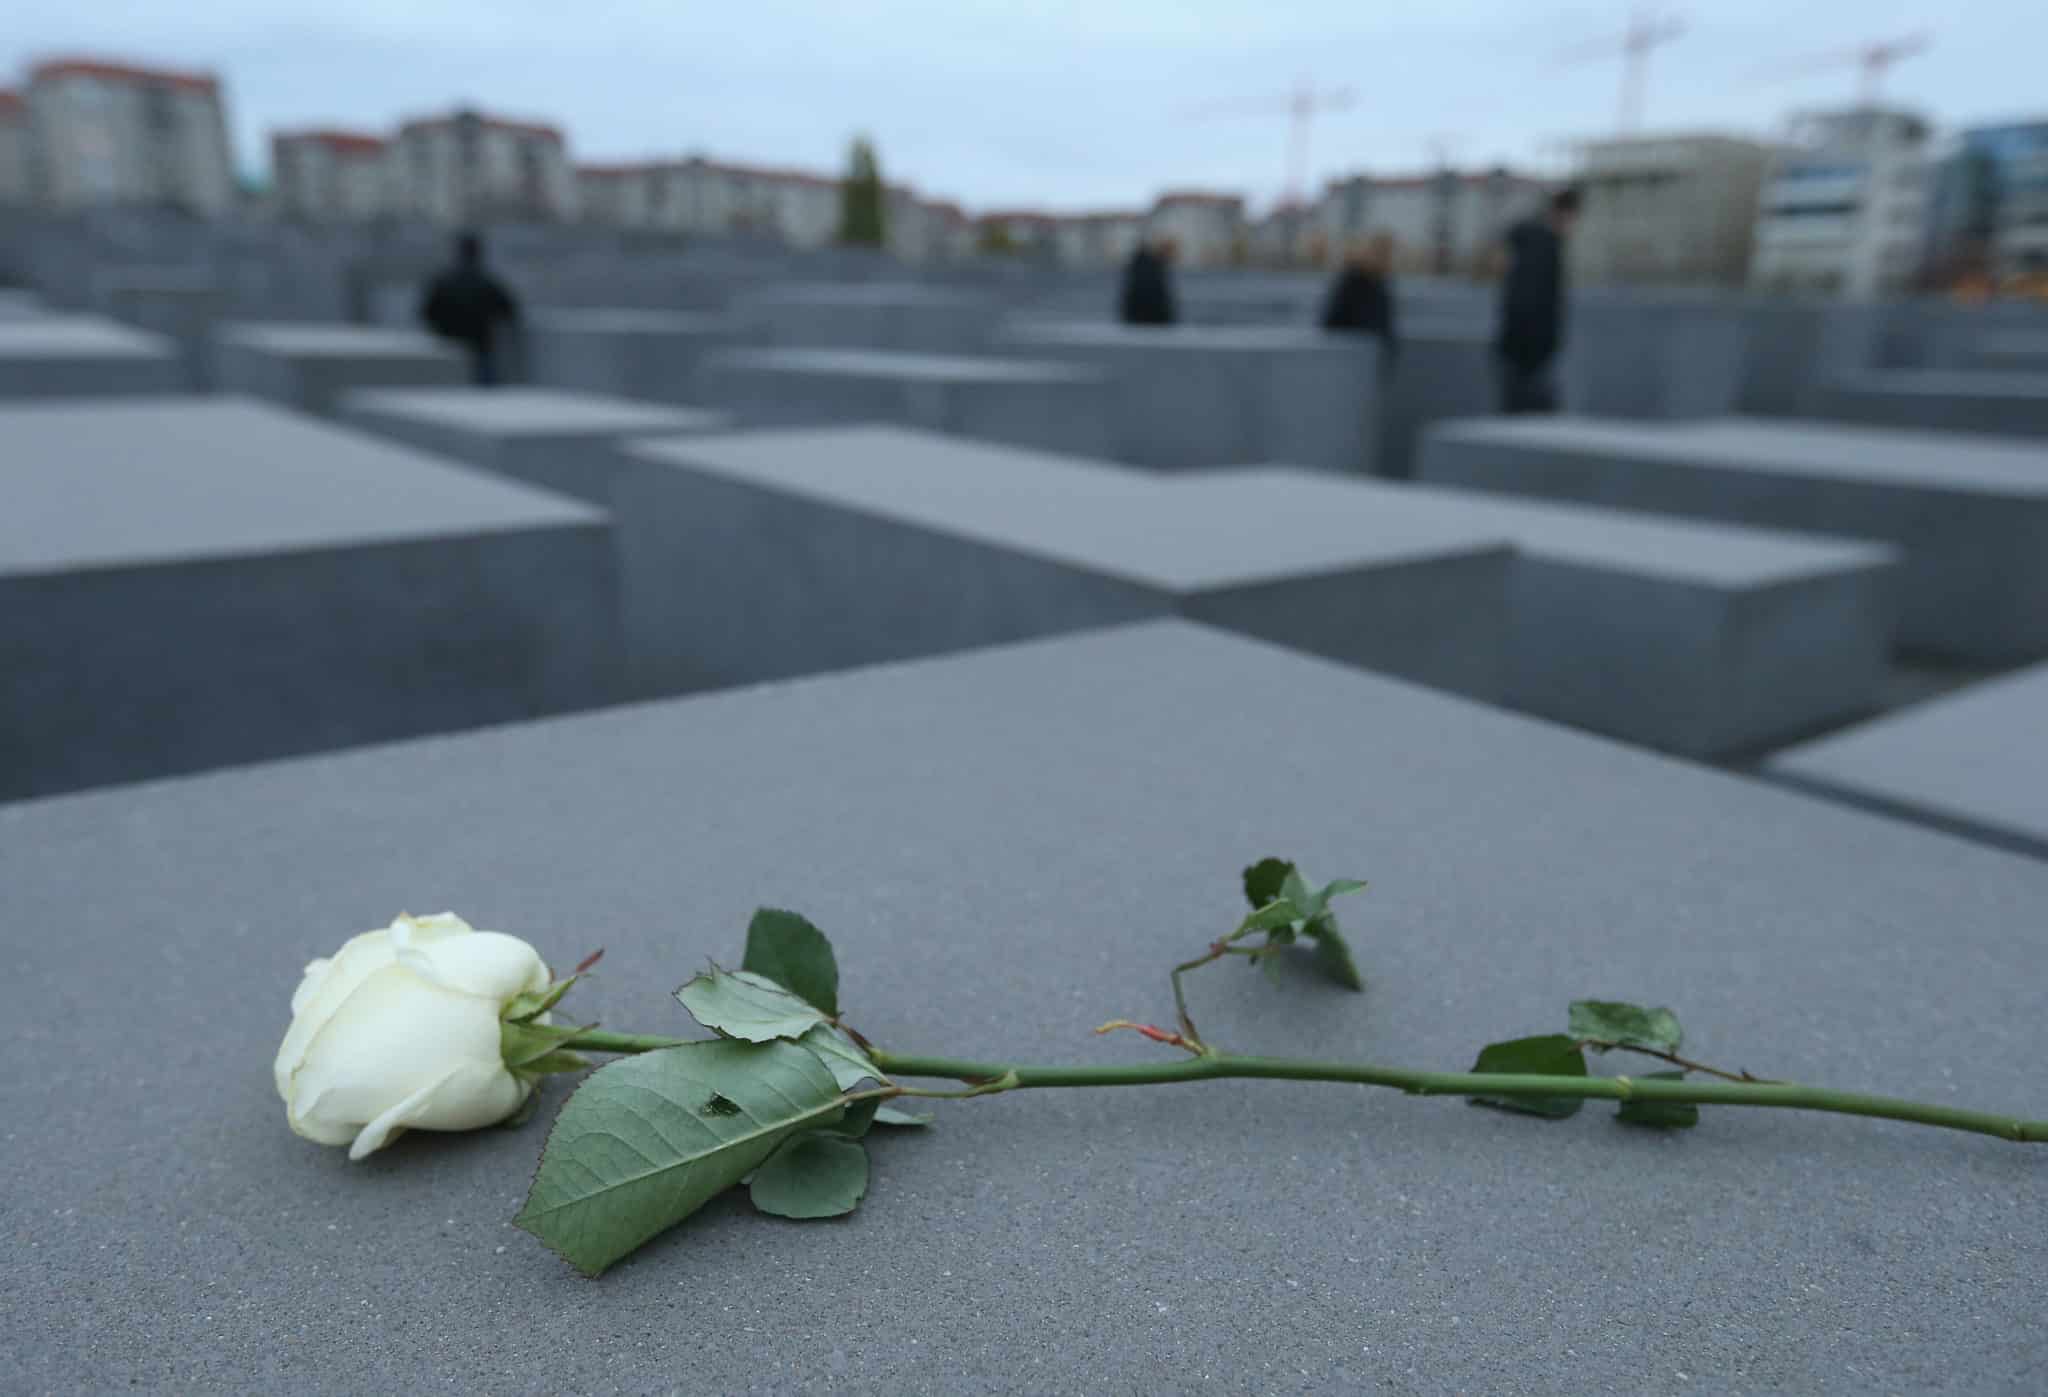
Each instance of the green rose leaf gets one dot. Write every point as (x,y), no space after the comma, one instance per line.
(1274,917)
(742,1004)
(897,1116)
(1263,879)
(794,954)
(850,1066)
(1625,1025)
(1663,1115)
(645,1141)
(859,1116)
(1333,954)
(1550,1055)
(812,1176)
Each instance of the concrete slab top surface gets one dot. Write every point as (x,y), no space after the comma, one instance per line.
(1008,849)
(311,341)
(1719,555)
(1107,519)
(1977,758)
(1115,335)
(138,480)
(514,412)
(1947,383)
(1922,460)
(621,320)
(865,294)
(897,364)
(77,337)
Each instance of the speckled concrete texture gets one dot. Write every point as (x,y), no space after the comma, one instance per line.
(1010,848)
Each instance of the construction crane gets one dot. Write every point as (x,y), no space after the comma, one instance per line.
(1301,107)
(1872,60)
(1648,29)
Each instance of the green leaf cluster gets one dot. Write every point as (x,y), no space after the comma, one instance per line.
(1602,1025)
(1287,908)
(779,1101)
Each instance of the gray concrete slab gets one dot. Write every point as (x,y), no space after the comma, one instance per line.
(1440,375)
(1699,639)
(1007,850)
(1192,396)
(2009,351)
(1043,405)
(544,436)
(758,557)
(21,305)
(879,315)
(1949,400)
(311,367)
(1969,515)
(1974,762)
(649,354)
(1650,359)
(182,305)
(83,356)
(190,583)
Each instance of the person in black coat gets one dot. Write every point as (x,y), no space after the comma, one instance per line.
(468,305)
(1148,285)
(1361,301)
(1532,307)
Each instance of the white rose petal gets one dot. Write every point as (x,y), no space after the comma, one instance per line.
(400,1030)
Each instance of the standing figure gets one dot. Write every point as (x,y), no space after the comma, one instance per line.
(468,305)
(1148,285)
(1532,307)
(1361,300)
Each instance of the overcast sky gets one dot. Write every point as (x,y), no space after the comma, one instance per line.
(1063,103)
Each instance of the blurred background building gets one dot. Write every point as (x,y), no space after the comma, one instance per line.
(330,176)
(113,133)
(467,167)
(1668,209)
(1844,207)
(1988,220)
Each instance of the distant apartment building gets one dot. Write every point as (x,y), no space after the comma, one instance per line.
(468,167)
(1988,213)
(16,185)
(925,230)
(618,196)
(1103,238)
(1207,228)
(707,196)
(1845,205)
(1445,222)
(1669,210)
(1031,233)
(104,133)
(328,176)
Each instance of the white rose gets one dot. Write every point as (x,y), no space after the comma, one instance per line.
(400,1029)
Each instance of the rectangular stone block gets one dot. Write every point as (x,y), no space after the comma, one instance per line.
(311,367)
(647,354)
(1008,849)
(909,319)
(21,305)
(1189,397)
(1656,360)
(183,306)
(1969,516)
(868,544)
(191,583)
(562,441)
(1044,405)
(2009,351)
(1440,375)
(83,356)
(1974,762)
(1693,638)
(1946,400)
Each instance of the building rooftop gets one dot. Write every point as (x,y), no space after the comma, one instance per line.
(494,123)
(343,142)
(53,69)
